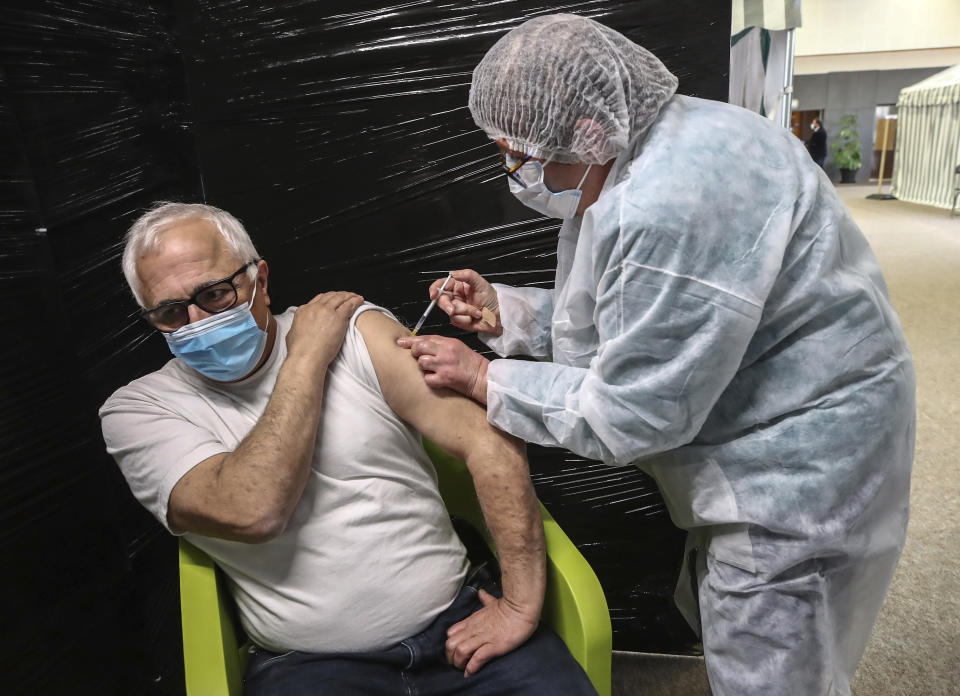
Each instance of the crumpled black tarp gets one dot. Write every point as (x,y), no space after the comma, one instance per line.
(338,132)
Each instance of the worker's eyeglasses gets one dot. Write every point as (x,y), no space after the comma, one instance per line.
(213,298)
(510,169)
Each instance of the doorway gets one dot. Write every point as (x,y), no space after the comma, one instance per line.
(885,128)
(800,122)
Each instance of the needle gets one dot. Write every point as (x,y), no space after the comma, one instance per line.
(431,306)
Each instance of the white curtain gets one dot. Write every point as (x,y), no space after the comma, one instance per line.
(758,46)
(757,69)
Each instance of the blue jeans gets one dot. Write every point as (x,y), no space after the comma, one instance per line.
(418,667)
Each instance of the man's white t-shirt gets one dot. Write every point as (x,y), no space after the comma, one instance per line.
(369,556)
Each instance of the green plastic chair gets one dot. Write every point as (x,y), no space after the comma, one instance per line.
(574,607)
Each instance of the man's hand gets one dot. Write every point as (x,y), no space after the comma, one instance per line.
(449,363)
(320,325)
(494,630)
(466,301)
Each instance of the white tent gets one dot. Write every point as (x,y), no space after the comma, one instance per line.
(928,140)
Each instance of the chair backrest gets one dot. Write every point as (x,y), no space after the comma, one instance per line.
(574,607)
(213,659)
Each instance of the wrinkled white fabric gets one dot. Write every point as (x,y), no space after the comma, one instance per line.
(719,319)
(565,88)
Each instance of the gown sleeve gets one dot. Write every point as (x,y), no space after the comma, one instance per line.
(525,314)
(669,340)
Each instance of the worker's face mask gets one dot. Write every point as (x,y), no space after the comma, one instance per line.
(526,183)
(224,347)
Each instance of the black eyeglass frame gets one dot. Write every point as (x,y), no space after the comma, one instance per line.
(192,300)
(511,172)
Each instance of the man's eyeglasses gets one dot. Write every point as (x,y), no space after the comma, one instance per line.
(511,169)
(214,297)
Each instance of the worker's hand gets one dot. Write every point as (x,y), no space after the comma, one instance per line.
(319,327)
(464,300)
(494,630)
(449,363)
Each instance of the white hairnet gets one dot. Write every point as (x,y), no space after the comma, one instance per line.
(567,89)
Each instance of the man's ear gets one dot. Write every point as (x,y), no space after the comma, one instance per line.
(591,135)
(263,272)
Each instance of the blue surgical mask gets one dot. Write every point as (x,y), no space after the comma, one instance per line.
(224,347)
(556,204)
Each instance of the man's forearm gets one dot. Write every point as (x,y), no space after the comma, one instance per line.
(268,471)
(501,477)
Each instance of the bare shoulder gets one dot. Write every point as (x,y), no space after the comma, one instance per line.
(391,362)
(449,419)
(396,368)
(377,326)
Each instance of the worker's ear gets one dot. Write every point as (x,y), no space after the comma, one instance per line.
(590,138)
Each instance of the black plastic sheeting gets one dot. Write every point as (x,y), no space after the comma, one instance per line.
(338,133)
(89,96)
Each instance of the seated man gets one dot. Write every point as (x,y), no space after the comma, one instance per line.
(288,448)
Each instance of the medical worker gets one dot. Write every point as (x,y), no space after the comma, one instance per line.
(717,319)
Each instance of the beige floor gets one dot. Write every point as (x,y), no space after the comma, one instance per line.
(915,648)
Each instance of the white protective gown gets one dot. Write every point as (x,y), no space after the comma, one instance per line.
(719,319)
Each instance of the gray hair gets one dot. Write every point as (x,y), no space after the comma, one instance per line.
(144,235)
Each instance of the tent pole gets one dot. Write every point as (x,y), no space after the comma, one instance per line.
(879,195)
(788,79)
(883,155)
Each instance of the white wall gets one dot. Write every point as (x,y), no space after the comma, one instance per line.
(863,26)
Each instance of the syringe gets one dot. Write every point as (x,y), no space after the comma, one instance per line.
(432,304)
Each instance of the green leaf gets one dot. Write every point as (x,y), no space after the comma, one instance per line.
(846,147)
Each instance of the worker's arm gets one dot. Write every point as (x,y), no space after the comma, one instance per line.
(498,464)
(249,494)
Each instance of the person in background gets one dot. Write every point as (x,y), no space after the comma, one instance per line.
(817,144)
(716,318)
(288,448)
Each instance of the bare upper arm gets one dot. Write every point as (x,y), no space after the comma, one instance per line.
(452,421)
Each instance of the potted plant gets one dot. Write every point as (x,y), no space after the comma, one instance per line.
(846,149)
